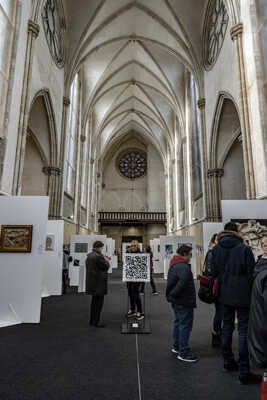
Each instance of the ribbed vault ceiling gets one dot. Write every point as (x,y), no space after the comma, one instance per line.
(133,56)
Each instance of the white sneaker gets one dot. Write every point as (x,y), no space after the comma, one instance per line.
(140,316)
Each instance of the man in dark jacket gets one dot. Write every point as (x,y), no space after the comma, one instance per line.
(181,294)
(97,267)
(233,263)
(257,335)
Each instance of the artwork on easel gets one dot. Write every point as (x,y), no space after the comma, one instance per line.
(16,238)
(50,243)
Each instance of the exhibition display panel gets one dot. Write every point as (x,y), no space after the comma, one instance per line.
(24,223)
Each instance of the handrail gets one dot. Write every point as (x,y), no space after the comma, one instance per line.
(123,216)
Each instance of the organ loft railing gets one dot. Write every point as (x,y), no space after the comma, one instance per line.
(132,217)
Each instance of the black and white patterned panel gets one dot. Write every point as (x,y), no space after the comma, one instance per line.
(136,268)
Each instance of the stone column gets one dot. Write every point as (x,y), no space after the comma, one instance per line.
(79,208)
(54,174)
(33,32)
(237,37)
(201,105)
(62,158)
(214,176)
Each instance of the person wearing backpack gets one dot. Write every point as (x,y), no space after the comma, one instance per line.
(233,262)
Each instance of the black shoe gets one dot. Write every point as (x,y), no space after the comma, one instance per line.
(140,316)
(190,358)
(231,367)
(250,379)
(216,340)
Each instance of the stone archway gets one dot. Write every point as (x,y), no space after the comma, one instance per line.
(40,171)
(226,171)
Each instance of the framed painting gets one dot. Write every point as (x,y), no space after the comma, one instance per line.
(50,242)
(81,248)
(16,239)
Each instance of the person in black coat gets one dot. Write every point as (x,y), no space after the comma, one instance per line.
(97,267)
(233,262)
(181,293)
(257,333)
(217,320)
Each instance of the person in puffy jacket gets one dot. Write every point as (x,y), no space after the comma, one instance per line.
(181,293)
(257,334)
(233,262)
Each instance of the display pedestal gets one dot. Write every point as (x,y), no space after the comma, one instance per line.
(131,325)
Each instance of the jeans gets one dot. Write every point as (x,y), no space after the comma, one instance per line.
(227,333)
(134,294)
(96,308)
(183,325)
(218,318)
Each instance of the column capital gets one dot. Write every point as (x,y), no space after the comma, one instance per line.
(201,103)
(33,28)
(216,172)
(49,171)
(66,101)
(236,31)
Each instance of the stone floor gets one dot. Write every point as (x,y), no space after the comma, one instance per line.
(62,358)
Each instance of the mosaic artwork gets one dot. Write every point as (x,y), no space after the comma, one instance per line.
(252,231)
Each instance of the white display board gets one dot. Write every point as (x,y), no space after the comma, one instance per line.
(209,229)
(21,273)
(158,266)
(136,267)
(79,251)
(169,246)
(243,209)
(53,259)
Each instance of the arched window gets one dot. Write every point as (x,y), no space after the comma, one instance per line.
(7,28)
(196,131)
(84,169)
(72,137)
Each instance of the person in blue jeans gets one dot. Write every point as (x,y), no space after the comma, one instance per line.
(233,262)
(181,293)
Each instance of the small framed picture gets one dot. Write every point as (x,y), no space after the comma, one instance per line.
(81,248)
(50,243)
(16,238)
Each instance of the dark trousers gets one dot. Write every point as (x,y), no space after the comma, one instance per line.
(96,308)
(218,318)
(134,294)
(227,334)
(152,283)
(65,280)
(183,324)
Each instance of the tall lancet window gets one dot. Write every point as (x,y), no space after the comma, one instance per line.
(72,137)
(7,28)
(196,132)
(84,185)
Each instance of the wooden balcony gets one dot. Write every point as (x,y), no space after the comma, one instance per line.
(131,217)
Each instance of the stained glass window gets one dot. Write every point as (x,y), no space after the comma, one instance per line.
(53,30)
(214,32)
(132,164)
